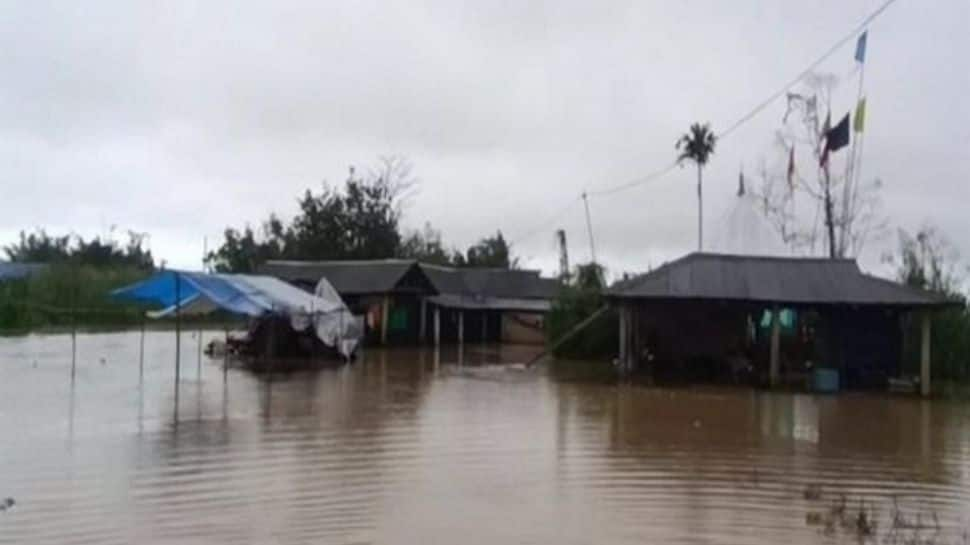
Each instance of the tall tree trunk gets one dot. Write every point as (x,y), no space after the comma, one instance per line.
(700,211)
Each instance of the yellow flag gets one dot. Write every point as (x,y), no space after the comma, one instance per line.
(859,122)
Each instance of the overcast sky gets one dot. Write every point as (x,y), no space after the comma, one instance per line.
(180,118)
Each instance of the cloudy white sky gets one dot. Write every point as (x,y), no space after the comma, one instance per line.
(180,118)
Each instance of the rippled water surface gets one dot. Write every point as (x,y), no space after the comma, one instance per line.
(409,447)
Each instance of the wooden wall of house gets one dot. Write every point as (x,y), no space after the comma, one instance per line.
(708,341)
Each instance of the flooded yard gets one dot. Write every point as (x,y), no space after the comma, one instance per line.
(409,446)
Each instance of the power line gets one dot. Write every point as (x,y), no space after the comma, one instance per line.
(723,134)
(635,182)
(555,217)
(801,75)
(758,108)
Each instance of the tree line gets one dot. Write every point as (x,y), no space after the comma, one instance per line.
(360,220)
(40,247)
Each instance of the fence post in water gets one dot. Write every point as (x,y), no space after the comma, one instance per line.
(225,363)
(924,360)
(198,364)
(74,289)
(178,336)
(774,362)
(141,353)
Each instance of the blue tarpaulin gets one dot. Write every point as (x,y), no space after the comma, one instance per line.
(249,295)
(231,292)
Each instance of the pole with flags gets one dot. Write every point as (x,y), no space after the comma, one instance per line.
(858,124)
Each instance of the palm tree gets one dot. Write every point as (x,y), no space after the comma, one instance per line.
(697,145)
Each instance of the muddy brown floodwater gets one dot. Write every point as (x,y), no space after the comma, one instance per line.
(404,447)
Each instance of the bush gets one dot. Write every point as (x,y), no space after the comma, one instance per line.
(575,303)
(45,300)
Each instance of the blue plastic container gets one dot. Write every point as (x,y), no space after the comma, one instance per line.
(827,381)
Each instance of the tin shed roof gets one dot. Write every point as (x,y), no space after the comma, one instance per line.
(770,279)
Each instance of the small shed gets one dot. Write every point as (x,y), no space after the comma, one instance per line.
(388,292)
(489,305)
(778,319)
(406,301)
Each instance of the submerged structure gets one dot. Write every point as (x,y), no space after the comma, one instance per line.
(285,321)
(771,320)
(408,302)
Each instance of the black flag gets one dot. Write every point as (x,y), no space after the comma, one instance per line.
(836,138)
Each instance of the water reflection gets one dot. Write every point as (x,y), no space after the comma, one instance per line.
(412,446)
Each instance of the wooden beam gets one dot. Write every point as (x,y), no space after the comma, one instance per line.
(775,362)
(924,360)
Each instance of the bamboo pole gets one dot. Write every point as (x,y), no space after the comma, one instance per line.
(141,353)
(198,368)
(74,289)
(178,337)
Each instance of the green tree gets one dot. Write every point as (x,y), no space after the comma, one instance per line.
(426,246)
(927,261)
(492,252)
(576,302)
(697,146)
(359,221)
(40,247)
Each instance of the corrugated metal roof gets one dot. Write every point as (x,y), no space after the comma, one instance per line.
(770,279)
(347,277)
(383,276)
(514,283)
(15,271)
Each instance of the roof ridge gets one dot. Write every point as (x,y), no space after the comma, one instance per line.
(745,257)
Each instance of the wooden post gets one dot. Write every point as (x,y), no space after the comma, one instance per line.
(484,326)
(924,360)
(225,359)
(461,327)
(774,364)
(178,336)
(74,289)
(385,313)
(437,325)
(423,330)
(141,353)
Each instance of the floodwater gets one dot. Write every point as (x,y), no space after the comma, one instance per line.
(407,447)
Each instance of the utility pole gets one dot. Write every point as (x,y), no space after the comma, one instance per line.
(563,256)
(589,227)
